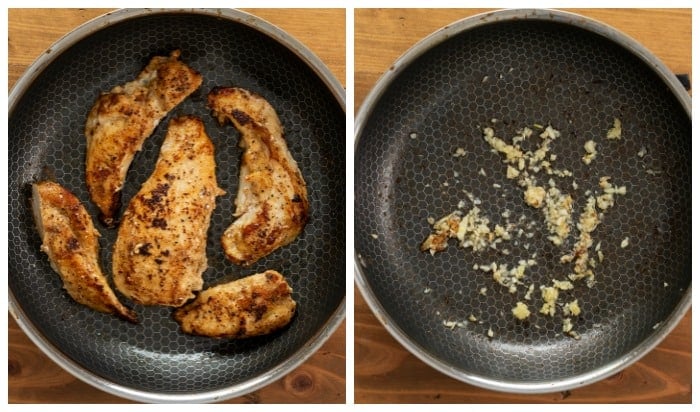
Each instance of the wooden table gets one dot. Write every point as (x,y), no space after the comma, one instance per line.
(384,371)
(34,378)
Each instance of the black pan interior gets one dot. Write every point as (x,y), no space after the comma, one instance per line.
(521,73)
(46,137)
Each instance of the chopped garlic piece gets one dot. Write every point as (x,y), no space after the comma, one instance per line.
(567,326)
(511,172)
(588,221)
(572,308)
(549,296)
(616,131)
(591,152)
(558,215)
(449,324)
(621,190)
(605,201)
(513,153)
(534,196)
(528,295)
(520,311)
(512,277)
(550,133)
(563,284)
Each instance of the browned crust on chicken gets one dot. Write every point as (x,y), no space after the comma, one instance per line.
(70,240)
(272,204)
(121,120)
(160,252)
(255,305)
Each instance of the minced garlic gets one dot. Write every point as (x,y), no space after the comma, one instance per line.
(528,294)
(588,221)
(534,196)
(567,326)
(511,172)
(558,215)
(449,324)
(616,131)
(562,284)
(607,199)
(520,311)
(513,153)
(509,278)
(523,164)
(591,152)
(572,308)
(549,296)
(609,188)
(444,229)
(472,230)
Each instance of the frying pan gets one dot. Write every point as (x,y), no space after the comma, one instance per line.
(153,361)
(510,69)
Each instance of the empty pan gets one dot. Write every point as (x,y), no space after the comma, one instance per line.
(154,361)
(420,154)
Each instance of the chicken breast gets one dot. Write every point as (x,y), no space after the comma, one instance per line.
(252,306)
(70,240)
(121,120)
(272,205)
(160,252)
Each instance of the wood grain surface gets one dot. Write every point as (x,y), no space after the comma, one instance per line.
(34,378)
(387,373)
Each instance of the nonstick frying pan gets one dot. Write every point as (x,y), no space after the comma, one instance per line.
(521,67)
(153,361)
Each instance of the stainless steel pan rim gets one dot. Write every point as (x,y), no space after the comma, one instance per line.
(369,104)
(315,342)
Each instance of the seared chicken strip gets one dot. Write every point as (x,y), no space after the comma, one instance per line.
(160,252)
(252,306)
(121,120)
(70,240)
(272,206)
